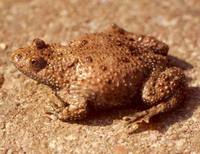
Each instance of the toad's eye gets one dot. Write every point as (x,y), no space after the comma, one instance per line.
(38,63)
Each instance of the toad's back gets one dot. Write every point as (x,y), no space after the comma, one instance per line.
(108,50)
(107,68)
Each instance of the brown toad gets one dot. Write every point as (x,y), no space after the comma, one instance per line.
(105,70)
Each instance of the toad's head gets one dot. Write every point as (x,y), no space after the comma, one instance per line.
(36,61)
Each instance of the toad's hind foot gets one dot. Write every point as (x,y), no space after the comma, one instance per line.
(133,122)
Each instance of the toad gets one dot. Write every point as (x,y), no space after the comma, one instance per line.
(104,70)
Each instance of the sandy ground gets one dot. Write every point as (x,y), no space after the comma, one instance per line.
(24,127)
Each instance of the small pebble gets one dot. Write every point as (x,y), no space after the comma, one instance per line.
(3,46)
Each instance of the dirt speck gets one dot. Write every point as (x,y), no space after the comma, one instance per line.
(1,80)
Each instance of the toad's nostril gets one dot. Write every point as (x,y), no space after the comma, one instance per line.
(18,57)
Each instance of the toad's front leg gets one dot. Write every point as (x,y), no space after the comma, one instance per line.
(72,106)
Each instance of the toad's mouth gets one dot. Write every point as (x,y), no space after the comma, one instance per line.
(35,77)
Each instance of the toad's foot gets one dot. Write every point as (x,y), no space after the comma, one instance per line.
(68,113)
(162,92)
(75,108)
(73,112)
(134,121)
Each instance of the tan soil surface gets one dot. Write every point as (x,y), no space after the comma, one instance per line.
(24,127)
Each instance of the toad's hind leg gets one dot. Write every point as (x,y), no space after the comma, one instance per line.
(162,92)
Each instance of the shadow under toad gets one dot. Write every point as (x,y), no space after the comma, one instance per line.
(174,61)
(159,122)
